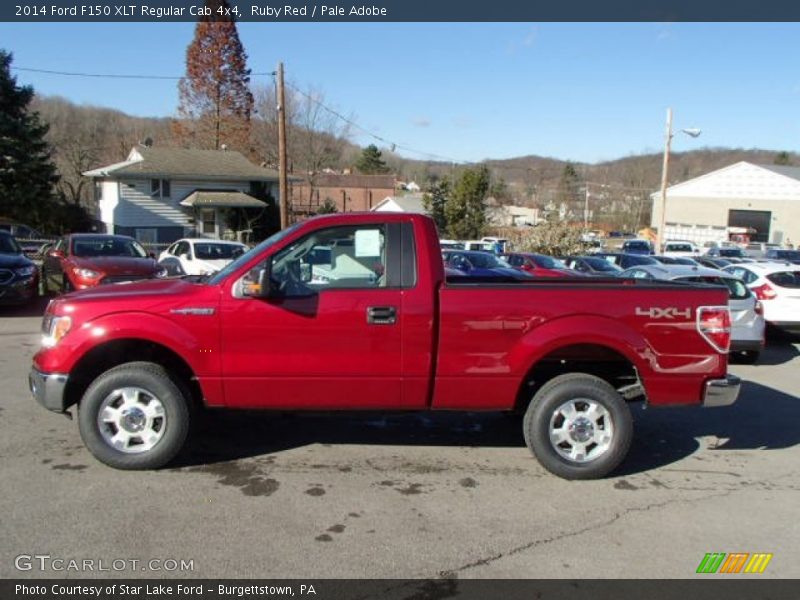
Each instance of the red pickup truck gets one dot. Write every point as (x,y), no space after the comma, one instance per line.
(352,312)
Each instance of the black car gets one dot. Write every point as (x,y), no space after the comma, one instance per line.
(626,261)
(592,265)
(792,256)
(727,252)
(19,277)
(713,262)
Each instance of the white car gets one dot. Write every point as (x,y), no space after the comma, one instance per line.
(747,320)
(677,248)
(777,285)
(199,256)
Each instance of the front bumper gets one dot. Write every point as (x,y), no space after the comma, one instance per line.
(721,392)
(48,389)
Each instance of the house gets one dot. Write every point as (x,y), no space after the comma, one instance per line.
(411,203)
(347,192)
(507,215)
(748,196)
(158,195)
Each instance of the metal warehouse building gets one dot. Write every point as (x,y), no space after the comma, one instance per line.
(762,197)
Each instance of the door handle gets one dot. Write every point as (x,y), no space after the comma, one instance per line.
(381,315)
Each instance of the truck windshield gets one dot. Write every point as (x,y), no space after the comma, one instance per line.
(220,275)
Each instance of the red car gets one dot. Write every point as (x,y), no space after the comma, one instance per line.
(539,265)
(83,260)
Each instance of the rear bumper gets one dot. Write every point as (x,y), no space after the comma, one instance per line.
(721,392)
(48,389)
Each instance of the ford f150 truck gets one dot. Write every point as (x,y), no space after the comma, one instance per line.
(377,327)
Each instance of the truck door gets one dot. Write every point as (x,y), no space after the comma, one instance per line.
(331,335)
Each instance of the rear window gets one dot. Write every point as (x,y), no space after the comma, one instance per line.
(736,287)
(731,252)
(637,245)
(787,279)
(679,248)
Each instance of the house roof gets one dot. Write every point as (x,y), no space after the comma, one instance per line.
(354,181)
(173,163)
(220,199)
(741,180)
(412,203)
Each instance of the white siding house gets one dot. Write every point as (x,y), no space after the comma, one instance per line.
(145,195)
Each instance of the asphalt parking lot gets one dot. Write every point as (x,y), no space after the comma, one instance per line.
(320,496)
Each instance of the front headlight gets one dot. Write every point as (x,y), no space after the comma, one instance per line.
(25,271)
(86,273)
(54,329)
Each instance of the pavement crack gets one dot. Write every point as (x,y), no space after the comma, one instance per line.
(565,535)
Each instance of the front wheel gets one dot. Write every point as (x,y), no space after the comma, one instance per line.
(134,417)
(578,426)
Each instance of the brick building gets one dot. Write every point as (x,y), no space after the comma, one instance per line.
(347,192)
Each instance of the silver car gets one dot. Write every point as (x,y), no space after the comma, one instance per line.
(747,314)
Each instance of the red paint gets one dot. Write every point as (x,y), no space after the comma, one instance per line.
(464,347)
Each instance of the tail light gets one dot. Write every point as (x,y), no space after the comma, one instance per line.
(714,324)
(759,308)
(764,292)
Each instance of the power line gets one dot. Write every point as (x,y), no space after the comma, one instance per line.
(115,75)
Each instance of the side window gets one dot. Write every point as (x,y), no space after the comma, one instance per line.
(749,276)
(353,257)
(515,260)
(639,274)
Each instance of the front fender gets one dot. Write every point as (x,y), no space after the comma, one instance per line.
(195,338)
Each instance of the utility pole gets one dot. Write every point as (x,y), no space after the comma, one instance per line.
(283,179)
(664,176)
(586,210)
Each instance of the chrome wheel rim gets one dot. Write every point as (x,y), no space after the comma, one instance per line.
(131,420)
(581,430)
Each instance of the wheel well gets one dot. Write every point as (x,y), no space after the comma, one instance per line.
(594,359)
(106,356)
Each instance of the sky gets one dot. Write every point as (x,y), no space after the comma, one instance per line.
(466,92)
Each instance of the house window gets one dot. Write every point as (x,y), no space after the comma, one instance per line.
(208,218)
(159,188)
(98,190)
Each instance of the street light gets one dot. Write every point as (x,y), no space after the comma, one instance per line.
(664,175)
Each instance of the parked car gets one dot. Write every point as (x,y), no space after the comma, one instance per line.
(679,248)
(777,285)
(776,254)
(714,262)
(637,247)
(760,249)
(19,277)
(539,265)
(477,263)
(83,260)
(676,260)
(726,252)
(626,261)
(747,313)
(199,256)
(592,265)
(28,238)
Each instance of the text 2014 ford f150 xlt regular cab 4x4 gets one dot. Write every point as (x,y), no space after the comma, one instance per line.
(352,312)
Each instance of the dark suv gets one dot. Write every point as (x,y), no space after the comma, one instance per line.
(19,277)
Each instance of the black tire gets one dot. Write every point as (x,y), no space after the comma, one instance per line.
(544,413)
(749,357)
(152,383)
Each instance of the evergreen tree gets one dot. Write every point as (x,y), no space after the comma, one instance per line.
(465,209)
(370,161)
(783,158)
(434,201)
(215,98)
(27,174)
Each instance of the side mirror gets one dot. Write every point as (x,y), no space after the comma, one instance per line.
(305,272)
(262,287)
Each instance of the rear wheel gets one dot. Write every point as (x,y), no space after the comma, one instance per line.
(134,417)
(578,426)
(749,357)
